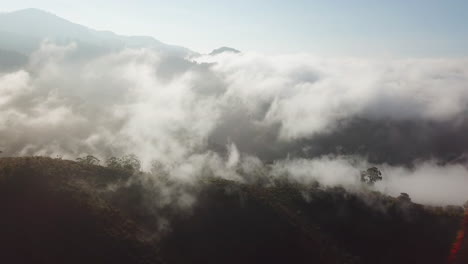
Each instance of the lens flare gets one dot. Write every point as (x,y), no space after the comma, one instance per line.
(460,244)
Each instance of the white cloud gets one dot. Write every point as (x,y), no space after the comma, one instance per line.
(174,111)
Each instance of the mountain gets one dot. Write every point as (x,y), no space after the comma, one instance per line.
(59,211)
(22,31)
(11,60)
(223,50)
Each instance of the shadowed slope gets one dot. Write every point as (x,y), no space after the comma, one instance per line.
(49,215)
(58,211)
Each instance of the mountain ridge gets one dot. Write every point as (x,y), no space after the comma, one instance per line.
(36,25)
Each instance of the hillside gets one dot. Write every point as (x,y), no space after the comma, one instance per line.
(59,211)
(49,215)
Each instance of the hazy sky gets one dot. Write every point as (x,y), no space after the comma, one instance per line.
(352,27)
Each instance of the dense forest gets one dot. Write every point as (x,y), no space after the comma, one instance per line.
(64,211)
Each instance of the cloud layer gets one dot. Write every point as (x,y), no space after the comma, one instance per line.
(406,115)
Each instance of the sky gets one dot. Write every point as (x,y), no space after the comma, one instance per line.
(412,28)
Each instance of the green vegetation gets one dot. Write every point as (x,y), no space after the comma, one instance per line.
(128,163)
(53,211)
(116,214)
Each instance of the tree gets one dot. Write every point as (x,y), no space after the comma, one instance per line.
(88,160)
(127,162)
(371,175)
(113,162)
(466,205)
(404,197)
(131,163)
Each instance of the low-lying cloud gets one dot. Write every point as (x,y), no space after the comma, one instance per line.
(427,182)
(304,113)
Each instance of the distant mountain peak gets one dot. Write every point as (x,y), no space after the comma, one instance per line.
(31,10)
(23,30)
(223,50)
(34,13)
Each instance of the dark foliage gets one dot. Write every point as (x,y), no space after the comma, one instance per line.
(58,211)
(371,176)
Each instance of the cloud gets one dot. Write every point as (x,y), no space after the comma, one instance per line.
(308,95)
(427,182)
(184,113)
(327,170)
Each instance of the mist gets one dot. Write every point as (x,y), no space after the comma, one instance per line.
(316,118)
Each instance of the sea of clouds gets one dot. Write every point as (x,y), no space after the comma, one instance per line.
(315,118)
